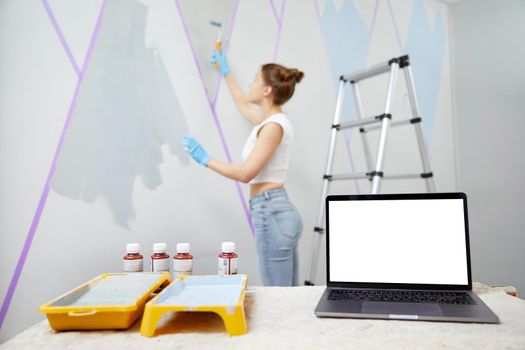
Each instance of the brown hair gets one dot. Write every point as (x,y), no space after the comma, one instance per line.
(282,81)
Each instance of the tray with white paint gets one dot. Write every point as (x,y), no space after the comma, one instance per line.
(108,301)
(223,295)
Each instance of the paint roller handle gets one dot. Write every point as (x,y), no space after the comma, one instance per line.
(219,58)
(218,46)
(195,150)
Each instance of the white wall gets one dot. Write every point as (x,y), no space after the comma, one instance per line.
(120,175)
(489,90)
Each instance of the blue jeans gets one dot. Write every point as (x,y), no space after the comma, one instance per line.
(278,227)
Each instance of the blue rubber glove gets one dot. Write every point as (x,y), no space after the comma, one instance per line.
(220,59)
(195,150)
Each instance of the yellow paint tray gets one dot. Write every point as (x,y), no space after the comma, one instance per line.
(109,301)
(223,295)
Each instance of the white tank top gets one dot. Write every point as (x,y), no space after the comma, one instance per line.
(275,169)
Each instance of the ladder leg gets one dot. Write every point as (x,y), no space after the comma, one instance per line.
(429,179)
(360,114)
(377,174)
(319,230)
(316,241)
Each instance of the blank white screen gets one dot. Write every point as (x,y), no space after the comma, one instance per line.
(398,241)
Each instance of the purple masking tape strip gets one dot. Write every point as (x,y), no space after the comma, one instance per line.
(61,36)
(225,48)
(279,31)
(237,185)
(45,192)
(281,15)
(395,25)
(212,108)
(317,10)
(274,11)
(374,17)
(189,41)
(319,24)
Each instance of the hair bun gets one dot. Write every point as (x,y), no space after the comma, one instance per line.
(293,74)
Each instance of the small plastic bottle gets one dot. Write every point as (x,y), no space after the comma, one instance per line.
(183,261)
(133,260)
(160,261)
(228,260)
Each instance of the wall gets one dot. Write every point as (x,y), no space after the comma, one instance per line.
(489,92)
(96,95)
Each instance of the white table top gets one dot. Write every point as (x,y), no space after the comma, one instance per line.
(283,318)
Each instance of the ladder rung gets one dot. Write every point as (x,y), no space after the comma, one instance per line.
(370,72)
(394,123)
(355,176)
(407,176)
(360,122)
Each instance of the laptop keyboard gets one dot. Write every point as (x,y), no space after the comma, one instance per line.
(404,296)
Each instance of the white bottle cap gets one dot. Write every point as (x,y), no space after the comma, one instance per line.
(160,248)
(132,248)
(228,247)
(183,248)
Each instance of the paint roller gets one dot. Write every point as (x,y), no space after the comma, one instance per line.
(218,42)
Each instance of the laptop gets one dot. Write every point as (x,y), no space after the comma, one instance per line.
(400,256)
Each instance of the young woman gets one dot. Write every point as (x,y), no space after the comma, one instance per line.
(266,158)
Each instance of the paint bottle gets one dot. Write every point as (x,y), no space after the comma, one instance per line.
(183,261)
(133,260)
(160,261)
(228,260)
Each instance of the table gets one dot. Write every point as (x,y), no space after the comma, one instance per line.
(283,318)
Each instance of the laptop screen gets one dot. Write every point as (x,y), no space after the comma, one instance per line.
(397,239)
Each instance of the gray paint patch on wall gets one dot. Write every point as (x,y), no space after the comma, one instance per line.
(126,109)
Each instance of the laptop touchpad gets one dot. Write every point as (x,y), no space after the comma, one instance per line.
(402,309)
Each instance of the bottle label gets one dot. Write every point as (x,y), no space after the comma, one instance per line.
(160,265)
(133,265)
(182,267)
(228,266)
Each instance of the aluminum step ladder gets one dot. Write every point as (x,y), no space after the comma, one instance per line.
(384,122)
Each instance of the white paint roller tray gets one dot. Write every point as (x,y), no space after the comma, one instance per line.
(203,290)
(109,301)
(223,295)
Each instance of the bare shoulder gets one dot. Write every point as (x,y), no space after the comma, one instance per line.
(271,131)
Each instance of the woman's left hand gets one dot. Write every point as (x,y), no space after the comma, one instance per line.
(219,58)
(195,150)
